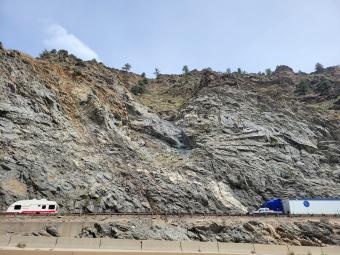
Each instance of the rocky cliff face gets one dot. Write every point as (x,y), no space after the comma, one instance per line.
(71,131)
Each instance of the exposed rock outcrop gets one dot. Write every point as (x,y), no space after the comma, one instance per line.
(71,131)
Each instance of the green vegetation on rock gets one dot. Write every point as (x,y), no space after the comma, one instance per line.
(302,88)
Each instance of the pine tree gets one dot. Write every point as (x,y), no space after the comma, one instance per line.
(319,68)
(185,69)
(126,67)
(157,72)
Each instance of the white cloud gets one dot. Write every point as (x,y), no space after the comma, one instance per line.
(60,38)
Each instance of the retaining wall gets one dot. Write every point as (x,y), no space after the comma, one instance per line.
(63,246)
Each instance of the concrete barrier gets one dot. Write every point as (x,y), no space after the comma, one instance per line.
(65,229)
(4,240)
(305,250)
(97,252)
(193,247)
(163,246)
(269,249)
(32,242)
(236,248)
(111,253)
(36,252)
(120,244)
(331,250)
(22,227)
(71,229)
(38,245)
(78,243)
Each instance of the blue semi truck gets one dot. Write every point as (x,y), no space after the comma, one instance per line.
(300,206)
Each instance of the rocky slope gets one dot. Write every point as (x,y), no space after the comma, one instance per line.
(72,131)
(308,233)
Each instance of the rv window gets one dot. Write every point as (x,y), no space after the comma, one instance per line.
(17,207)
(51,206)
(43,207)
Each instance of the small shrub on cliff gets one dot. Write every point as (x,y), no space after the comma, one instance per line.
(268,71)
(44,54)
(135,90)
(323,87)
(142,82)
(63,52)
(207,69)
(76,73)
(140,88)
(80,63)
(228,70)
(302,88)
(143,75)
(145,81)
(239,70)
(21,245)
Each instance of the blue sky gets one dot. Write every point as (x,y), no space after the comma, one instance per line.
(168,34)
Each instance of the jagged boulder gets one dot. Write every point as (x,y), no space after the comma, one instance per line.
(52,231)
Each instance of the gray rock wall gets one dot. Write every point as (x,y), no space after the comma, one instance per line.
(74,133)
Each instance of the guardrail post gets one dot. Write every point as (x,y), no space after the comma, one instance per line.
(253,251)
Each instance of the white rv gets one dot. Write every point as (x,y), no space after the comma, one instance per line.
(33,206)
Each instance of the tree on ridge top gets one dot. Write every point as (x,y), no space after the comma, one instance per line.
(319,68)
(185,69)
(126,67)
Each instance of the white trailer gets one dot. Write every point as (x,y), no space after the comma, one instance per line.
(33,206)
(311,206)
